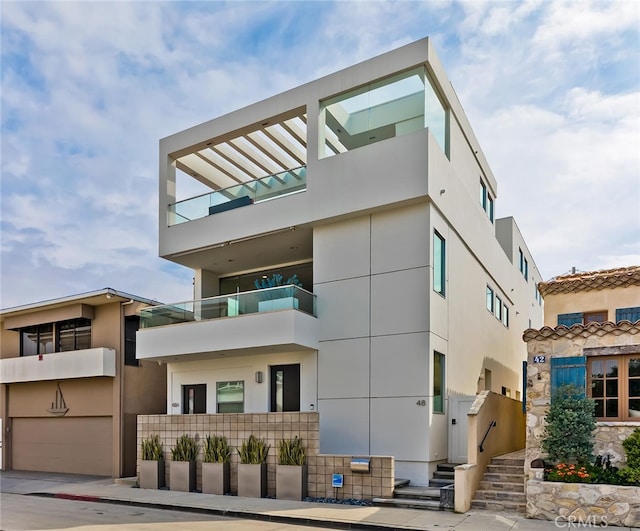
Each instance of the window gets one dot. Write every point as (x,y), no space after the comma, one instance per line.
(438,382)
(523,264)
(595,317)
(36,340)
(131,326)
(489,299)
(383,109)
(230,397)
(490,208)
(628,314)
(505,316)
(614,384)
(498,308)
(439,263)
(74,334)
(63,336)
(483,195)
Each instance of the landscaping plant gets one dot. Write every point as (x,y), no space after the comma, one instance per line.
(570,424)
(216,449)
(631,445)
(186,449)
(152,449)
(253,451)
(291,452)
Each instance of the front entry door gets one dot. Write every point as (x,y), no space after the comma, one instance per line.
(194,399)
(459,406)
(285,388)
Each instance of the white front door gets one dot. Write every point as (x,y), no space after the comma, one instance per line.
(459,406)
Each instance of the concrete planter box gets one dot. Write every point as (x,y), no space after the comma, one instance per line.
(216,478)
(252,480)
(152,474)
(598,505)
(182,476)
(291,482)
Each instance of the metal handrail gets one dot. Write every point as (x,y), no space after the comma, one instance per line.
(492,424)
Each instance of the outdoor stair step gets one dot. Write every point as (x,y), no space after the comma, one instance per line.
(406,503)
(416,492)
(443,475)
(440,482)
(446,467)
(501,485)
(505,478)
(499,506)
(504,469)
(500,495)
(507,461)
(400,483)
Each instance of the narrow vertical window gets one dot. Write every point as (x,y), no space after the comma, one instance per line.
(439,263)
(490,208)
(489,299)
(483,195)
(438,382)
(505,316)
(498,308)
(521,260)
(526,270)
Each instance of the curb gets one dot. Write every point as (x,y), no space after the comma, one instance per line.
(297,520)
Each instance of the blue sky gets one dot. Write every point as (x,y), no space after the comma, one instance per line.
(552,90)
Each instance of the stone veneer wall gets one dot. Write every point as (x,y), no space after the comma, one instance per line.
(272,427)
(597,505)
(608,435)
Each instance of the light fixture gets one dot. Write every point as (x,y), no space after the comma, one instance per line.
(258,376)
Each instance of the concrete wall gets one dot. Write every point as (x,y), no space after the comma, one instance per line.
(272,427)
(506,436)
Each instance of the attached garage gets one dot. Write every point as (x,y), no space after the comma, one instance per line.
(76,445)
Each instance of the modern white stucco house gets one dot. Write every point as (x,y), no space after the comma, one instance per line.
(369,191)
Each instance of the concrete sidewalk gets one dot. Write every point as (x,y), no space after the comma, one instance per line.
(332,516)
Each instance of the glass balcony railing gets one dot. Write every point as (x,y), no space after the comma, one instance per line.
(234,304)
(277,185)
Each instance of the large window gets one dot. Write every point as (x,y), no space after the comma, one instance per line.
(36,340)
(63,336)
(439,263)
(383,109)
(614,384)
(438,382)
(569,319)
(230,397)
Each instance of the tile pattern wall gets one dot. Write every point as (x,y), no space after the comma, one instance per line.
(272,427)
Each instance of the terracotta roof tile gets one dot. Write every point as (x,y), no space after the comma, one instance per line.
(580,330)
(592,280)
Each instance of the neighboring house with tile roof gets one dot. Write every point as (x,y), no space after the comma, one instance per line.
(591,339)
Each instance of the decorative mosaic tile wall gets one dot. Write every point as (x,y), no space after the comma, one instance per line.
(272,427)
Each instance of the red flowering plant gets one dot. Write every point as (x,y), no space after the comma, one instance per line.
(569,473)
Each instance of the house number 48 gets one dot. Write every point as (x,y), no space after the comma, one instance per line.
(421,403)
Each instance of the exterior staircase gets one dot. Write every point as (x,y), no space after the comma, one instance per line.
(438,496)
(503,485)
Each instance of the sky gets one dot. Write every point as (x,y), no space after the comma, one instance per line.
(552,91)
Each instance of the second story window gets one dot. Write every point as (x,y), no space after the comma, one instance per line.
(62,336)
(489,299)
(523,265)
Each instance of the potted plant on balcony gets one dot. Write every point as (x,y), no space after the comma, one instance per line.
(281,299)
(291,472)
(216,465)
(252,469)
(182,469)
(152,465)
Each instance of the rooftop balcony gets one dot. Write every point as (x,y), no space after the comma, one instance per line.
(256,191)
(280,319)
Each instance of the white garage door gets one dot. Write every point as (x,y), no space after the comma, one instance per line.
(75,445)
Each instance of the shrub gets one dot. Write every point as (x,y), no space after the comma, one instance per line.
(631,473)
(570,425)
(152,449)
(186,449)
(216,449)
(253,451)
(291,452)
(569,473)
